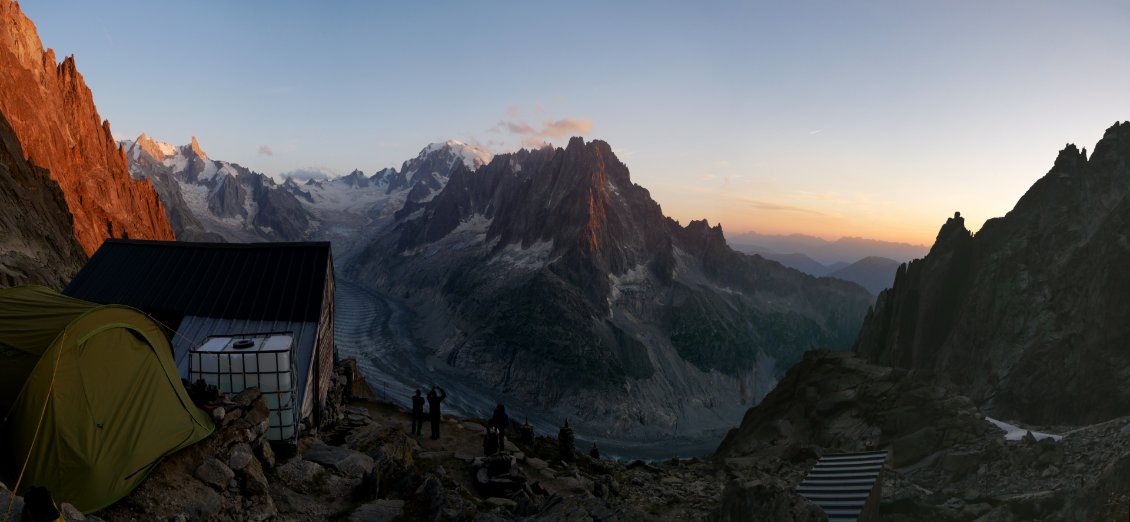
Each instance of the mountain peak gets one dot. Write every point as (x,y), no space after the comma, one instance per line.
(952,232)
(1070,156)
(195,147)
(158,150)
(472,156)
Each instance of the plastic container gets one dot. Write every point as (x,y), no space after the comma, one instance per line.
(264,361)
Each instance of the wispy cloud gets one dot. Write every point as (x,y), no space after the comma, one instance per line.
(536,136)
(815,132)
(566,127)
(266,150)
(775,207)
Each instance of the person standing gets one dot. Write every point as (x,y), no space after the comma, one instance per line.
(434,400)
(500,421)
(417,414)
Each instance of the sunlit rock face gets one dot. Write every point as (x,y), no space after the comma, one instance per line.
(549,276)
(51,113)
(1029,316)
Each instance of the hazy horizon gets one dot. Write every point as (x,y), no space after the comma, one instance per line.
(830,120)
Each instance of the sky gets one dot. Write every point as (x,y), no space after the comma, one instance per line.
(864,119)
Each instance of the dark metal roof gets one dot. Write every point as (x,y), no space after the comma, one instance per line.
(843,485)
(251,281)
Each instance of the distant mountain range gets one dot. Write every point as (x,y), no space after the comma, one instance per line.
(828,253)
(869,263)
(215,200)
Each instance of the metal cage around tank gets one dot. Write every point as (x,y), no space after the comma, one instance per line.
(265,361)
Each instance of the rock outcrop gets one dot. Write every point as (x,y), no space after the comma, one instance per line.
(551,263)
(51,111)
(837,402)
(38,244)
(1029,317)
(947,461)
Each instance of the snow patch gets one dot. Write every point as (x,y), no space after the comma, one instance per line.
(338,195)
(177,163)
(196,197)
(477,224)
(471,232)
(629,280)
(165,149)
(210,170)
(533,257)
(1013,432)
(228,170)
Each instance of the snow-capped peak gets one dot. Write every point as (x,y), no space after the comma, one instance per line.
(159,150)
(473,156)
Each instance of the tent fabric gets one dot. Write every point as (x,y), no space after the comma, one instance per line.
(91,397)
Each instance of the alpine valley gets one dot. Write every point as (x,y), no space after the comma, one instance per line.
(991,371)
(543,278)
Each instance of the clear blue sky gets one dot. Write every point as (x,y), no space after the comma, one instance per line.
(874,119)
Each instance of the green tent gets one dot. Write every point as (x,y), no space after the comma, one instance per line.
(90,395)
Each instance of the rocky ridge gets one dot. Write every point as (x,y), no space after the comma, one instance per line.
(1028,316)
(51,112)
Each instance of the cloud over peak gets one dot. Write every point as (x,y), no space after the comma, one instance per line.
(550,129)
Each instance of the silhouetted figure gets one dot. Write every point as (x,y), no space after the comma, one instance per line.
(566,442)
(500,421)
(417,414)
(526,433)
(434,399)
(490,442)
(594,452)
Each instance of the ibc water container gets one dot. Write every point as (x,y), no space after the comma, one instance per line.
(262,361)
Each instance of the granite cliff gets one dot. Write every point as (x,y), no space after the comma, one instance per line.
(51,112)
(1029,316)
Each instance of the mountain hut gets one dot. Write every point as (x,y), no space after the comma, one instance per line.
(254,314)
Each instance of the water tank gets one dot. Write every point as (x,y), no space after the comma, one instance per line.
(235,363)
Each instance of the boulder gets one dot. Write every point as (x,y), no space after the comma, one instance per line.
(351,463)
(214,473)
(299,475)
(383,510)
(240,456)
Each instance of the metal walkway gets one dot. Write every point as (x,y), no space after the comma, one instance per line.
(846,486)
